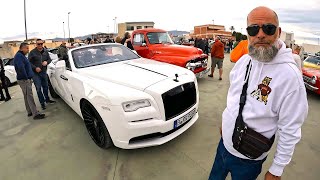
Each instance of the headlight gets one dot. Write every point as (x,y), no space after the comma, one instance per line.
(190,66)
(135,105)
(314,79)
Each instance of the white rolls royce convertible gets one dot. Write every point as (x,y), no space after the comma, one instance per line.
(125,100)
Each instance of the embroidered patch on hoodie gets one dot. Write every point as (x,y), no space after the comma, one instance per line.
(263,90)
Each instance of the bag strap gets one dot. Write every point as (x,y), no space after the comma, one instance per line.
(243,96)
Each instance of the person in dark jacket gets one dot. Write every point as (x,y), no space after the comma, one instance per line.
(202,45)
(39,58)
(3,84)
(127,40)
(108,40)
(62,50)
(24,75)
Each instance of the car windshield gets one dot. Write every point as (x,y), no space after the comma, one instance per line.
(313,60)
(159,38)
(103,54)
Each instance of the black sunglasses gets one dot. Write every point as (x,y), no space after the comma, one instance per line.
(268,29)
(40,44)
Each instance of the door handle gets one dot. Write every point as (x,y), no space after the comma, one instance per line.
(64,78)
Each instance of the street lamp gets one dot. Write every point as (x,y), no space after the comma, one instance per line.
(64,33)
(212,21)
(115,24)
(69,26)
(25,20)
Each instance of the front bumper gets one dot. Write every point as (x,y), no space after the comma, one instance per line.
(202,73)
(312,88)
(122,130)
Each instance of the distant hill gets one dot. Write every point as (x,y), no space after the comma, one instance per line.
(78,37)
(178,33)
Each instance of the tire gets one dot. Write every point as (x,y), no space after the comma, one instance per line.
(95,126)
(52,91)
(7,81)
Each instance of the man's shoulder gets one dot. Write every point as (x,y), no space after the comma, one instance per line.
(33,51)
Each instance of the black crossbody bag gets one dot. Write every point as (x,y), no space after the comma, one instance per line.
(246,140)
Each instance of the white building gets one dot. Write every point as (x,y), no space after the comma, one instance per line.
(288,38)
(131,26)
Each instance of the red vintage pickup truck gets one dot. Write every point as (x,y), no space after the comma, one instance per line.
(156,44)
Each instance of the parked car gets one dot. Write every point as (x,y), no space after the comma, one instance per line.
(156,44)
(10,72)
(125,100)
(311,73)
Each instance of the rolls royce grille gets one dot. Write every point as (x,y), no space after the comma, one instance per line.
(178,100)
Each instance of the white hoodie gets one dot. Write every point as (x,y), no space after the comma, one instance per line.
(282,111)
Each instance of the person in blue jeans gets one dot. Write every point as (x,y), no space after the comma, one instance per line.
(39,59)
(241,169)
(267,94)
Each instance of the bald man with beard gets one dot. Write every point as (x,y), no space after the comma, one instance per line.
(266,105)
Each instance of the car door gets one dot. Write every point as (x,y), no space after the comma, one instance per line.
(68,84)
(140,45)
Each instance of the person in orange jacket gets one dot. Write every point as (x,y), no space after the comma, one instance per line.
(240,50)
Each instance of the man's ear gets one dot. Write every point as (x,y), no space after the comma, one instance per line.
(279,32)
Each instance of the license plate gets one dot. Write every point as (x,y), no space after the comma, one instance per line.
(202,73)
(184,119)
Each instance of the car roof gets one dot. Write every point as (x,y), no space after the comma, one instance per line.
(149,30)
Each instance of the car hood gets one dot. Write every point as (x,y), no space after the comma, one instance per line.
(311,71)
(138,73)
(177,50)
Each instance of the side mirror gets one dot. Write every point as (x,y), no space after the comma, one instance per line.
(143,45)
(61,64)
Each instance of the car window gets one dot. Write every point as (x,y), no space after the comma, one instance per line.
(159,38)
(138,39)
(313,60)
(102,54)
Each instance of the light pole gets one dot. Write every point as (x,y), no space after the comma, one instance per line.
(25,20)
(115,24)
(212,21)
(64,33)
(69,26)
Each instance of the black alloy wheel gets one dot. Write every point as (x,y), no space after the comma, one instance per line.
(95,126)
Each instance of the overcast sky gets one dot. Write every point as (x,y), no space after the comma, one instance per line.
(45,18)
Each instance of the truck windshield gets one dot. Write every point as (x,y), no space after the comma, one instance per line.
(159,38)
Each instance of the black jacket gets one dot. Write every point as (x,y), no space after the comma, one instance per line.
(36,58)
(129,44)
(1,68)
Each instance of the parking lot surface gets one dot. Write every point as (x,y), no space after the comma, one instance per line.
(59,147)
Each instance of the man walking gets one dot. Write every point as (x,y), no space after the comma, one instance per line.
(217,56)
(24,75)
(266,97)
(3,85)
(39,58)
(62,50)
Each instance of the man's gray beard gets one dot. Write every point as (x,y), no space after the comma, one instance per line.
(263,54)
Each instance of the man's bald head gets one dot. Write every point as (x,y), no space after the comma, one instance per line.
(263,25)
(265,12)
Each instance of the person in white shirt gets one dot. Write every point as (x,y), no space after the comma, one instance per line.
(296,57)
(273,104)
